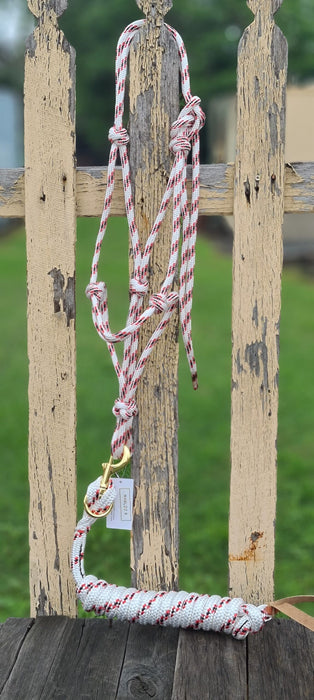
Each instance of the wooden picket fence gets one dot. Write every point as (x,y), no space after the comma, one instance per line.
(51,192)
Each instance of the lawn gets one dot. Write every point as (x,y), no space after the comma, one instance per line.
(204,423)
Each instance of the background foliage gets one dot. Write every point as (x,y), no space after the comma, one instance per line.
(211,30)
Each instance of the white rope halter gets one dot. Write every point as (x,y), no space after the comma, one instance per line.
(176,609)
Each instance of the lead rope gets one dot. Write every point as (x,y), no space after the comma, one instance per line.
(175,609)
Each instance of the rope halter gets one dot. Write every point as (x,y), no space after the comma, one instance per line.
(184,136)
(176,609)
(190,121)
(119,137)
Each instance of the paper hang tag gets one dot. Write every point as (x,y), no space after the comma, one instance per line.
(120,518)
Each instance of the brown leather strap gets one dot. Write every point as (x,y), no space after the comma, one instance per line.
(287,606)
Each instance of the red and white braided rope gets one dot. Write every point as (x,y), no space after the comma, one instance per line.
(184,136)
(175,609)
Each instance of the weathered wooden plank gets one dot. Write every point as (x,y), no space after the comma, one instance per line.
(70,659)
(59,657)
(281,662)
(257,265)
(62,657)
(209,666)
(154,105)
(50,215)
(91,186)
(299,188)
(31,670)
(154,8)
(216,190)
(12,635)
(97,657)
(12,193)
(149,663)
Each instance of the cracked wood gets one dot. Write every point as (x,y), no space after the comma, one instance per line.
(154,105)
(257,265)
(50,215)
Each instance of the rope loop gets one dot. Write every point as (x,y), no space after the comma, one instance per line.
(163,302)
(119,137)
(124,409)
(100,504)
(96,289)
(139,287)
(195,113)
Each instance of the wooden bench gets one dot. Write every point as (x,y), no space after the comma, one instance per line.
(58,657)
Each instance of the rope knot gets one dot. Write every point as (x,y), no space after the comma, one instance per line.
(138,287)
(97,289)
(162,302)
(179,143)
(196,114)
(119,137)
(250,618)
(124,409)
(190,120)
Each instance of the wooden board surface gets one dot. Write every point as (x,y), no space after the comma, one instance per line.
(149,663)
(211,666)
(56,657)
(281,662)
(50,217)
(154,105)
(12,635)
(216,191)
(257,267)
(68,658)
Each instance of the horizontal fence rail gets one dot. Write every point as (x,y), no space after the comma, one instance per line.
(216,190)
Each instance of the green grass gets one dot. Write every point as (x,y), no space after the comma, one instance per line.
(204,422)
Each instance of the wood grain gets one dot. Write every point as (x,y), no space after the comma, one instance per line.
(149,662)
(154,7)
(56,657)
(154,104)
(209,666)
(50,216)
(98,652)
(12,635)
(60,657)
(12,193)
(257,266)
(281,662)
(28,677)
